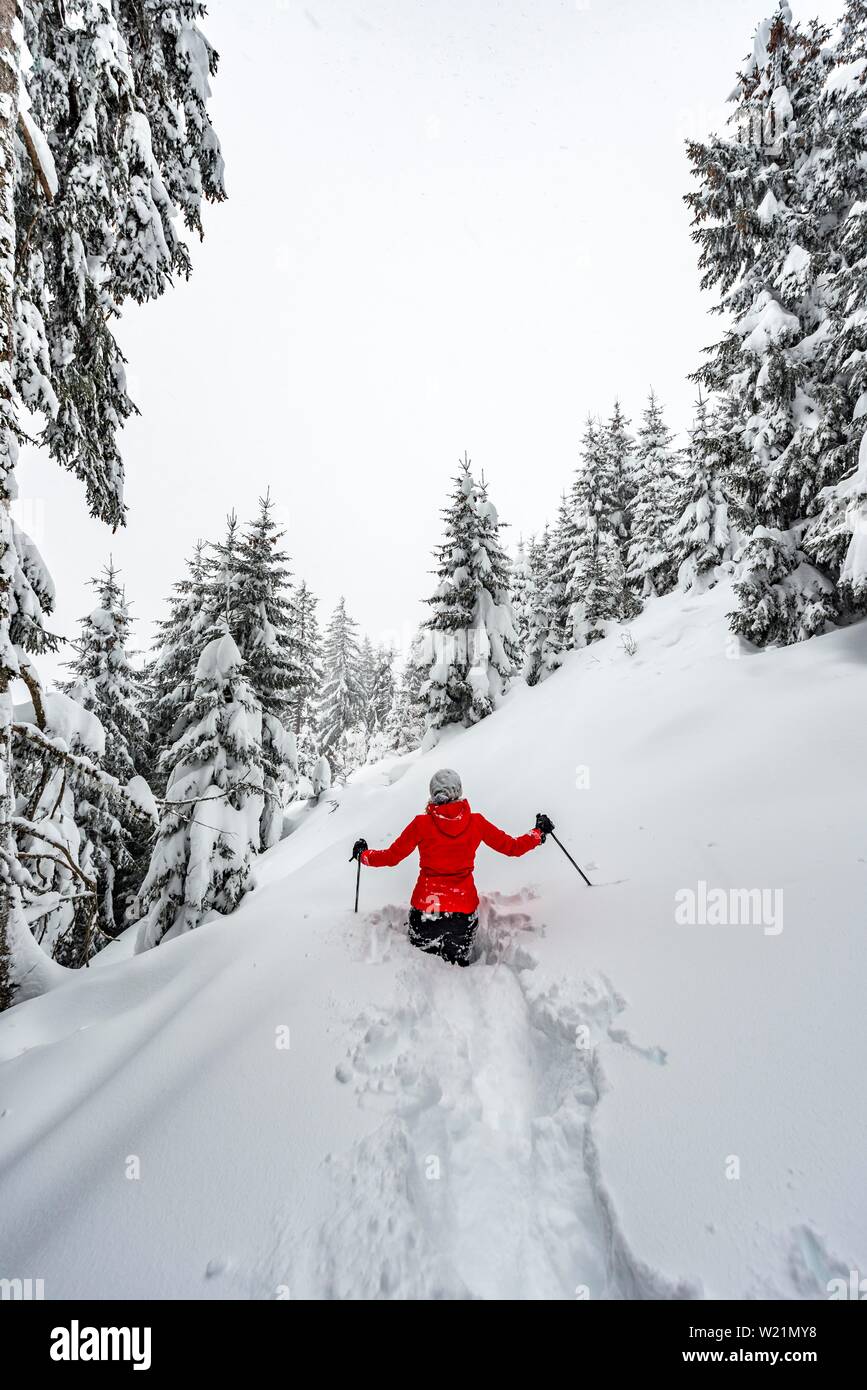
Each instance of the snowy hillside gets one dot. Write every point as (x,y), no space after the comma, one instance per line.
(607,1104)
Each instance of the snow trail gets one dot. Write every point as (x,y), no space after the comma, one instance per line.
(482,1181)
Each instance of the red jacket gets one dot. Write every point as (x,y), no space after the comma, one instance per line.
(447,838)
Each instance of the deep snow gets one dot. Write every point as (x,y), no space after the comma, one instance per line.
(561,1119)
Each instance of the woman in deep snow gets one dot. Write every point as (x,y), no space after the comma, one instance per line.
(443,916)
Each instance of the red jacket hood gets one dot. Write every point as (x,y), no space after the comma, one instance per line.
(452,817)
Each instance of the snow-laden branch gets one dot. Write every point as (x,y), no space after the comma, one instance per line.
(100,781)
(39,830)
(216,796)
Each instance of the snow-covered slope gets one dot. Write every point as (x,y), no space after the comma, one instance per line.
(607,1104)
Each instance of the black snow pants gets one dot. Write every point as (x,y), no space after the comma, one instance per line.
(446,934)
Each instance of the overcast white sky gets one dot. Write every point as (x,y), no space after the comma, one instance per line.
(450,226)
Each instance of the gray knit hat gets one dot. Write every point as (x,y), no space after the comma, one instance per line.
(445,785)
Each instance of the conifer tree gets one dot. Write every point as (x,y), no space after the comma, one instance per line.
(621,466)
(595,581)
(307,749)
(524,597)
(701,535)
(209,829)
(65,826)
(307,693)
(405,723)
(620,447)
(538,617)
(404,727)
(105,684)
(261,621)
(104,681)
(76,827)
(834,535)
(560,546)
(838,536)
(651,569)
(222,570)
(23,589)
(765,219)
(376,670)
(725,439)
(119,93)
(305,630)
(341,705)
(320,778)
(109,126)
(178,646)
(475,646)
(782,599)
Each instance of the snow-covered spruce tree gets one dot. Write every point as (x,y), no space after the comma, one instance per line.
(209,829)
(17,951)
(222,567)
(651,568)
(403,730)
(173,62)
(474,646)
(559,544)
(524,599)
(782,599)
(26,591)
(619,445)
(64,828)
(725,437)
(320,778)
(834,535)
(104,681)
(306,695)
(701,536)
(84,218)
(838,536)
(308,643)
(106,685)
(177,648)
(120,94)
(341,704)
(69,816)
(766,228)
(404,727)
(261,620)
(595,580)
(308,755)
(376,675)
(539,619)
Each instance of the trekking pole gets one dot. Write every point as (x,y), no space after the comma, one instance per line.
(357,882)
(571,860)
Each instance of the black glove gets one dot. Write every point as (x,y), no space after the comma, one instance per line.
(545,824)
(358,849)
